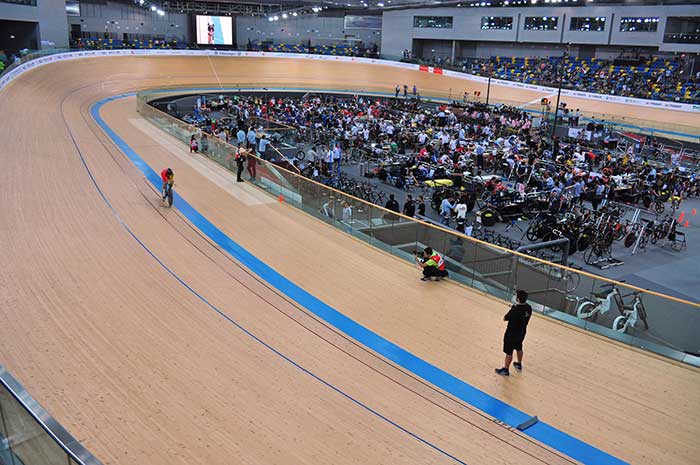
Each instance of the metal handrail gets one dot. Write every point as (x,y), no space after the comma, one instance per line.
(49,424)
(469,238)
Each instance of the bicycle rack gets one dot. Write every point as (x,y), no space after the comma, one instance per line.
(563,241)
(639,238)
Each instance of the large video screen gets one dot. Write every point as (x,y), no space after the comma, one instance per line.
(214,30)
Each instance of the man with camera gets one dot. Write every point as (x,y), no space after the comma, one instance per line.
(433,265)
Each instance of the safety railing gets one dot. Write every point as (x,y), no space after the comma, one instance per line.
(29,435)
(648,320)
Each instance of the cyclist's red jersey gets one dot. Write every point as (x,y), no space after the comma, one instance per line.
(164,176)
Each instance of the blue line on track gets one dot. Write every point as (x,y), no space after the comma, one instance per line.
(541,431)
(228,318)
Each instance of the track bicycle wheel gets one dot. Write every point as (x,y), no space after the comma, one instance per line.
(620,324)
(571,281)
(589,256)
(586,310)
(643,241)
(584,240)
(655,236)
(620,232)
(170,197)
(641,311)
(531,234)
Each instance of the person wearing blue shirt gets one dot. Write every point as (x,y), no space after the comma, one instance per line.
(251,138)
(240,136)
(480,149)
(262,146)
(446,208)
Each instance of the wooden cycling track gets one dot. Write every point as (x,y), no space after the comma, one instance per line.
(141,370)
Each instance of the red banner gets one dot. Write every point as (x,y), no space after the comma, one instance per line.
(437,70)
(423,68)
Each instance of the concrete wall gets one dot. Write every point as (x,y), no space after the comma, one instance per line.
(319,29)
(49,14)
(119,18)
(398,31)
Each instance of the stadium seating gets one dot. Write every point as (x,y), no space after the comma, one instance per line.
(657,78)
(109,44)
(333,49)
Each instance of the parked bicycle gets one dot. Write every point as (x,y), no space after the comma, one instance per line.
(630,315)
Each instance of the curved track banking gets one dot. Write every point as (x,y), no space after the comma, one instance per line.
(103,331)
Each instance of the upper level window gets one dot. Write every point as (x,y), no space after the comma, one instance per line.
(20,2)
(441,22)
(541,23)
(596,24)
(496,22)
(639,24)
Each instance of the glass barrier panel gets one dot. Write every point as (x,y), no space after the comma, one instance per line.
(27,442)
(575,297)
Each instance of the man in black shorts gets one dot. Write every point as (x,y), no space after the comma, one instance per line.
(517,317)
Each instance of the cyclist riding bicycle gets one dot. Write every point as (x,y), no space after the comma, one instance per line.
(168,178)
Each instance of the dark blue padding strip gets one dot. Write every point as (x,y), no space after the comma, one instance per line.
(546,434)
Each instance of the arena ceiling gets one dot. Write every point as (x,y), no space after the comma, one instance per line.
(245,7)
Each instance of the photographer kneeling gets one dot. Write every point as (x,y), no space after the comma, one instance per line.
(433,265)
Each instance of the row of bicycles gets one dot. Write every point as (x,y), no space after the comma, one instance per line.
(478,231)
(593,233)
(357,188)
(590,233)
(630,313)
(601,302)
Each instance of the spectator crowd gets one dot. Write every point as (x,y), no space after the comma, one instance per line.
(416,145)
(655,78)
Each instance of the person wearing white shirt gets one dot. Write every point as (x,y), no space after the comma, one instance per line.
(337,155)
(347,211)
(461,211)
(328,160)
(313,155)
(422,137)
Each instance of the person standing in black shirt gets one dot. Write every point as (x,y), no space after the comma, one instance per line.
(409,207)
(421,205)
(517,317)
(392,204)
(240,160)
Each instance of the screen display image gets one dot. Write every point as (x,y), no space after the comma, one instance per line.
(214,30)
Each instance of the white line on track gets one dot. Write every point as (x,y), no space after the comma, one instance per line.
(215,73)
